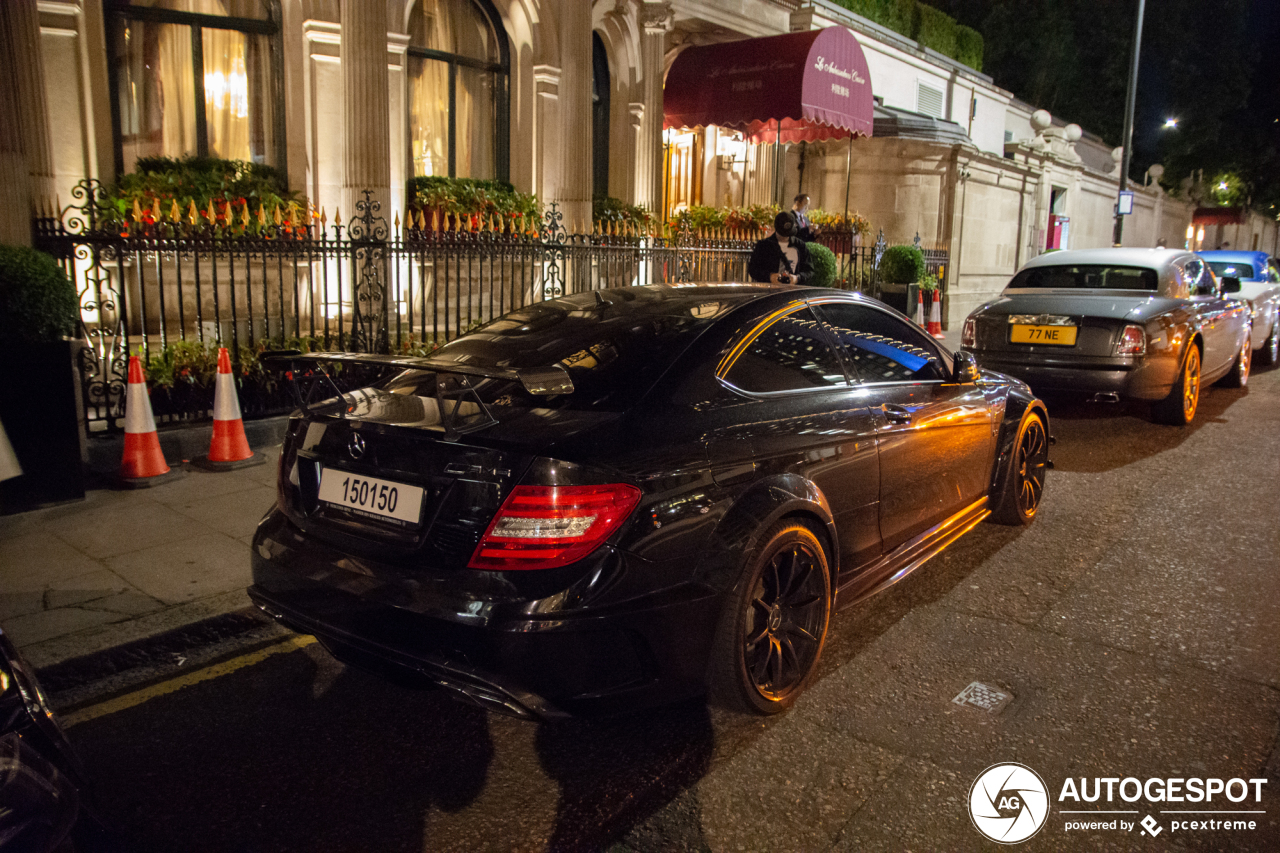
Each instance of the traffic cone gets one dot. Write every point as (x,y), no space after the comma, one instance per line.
(919,319)
(143,462)
(229,449)
(935,315)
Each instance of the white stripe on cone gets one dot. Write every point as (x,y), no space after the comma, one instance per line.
(226,406)
(137,411)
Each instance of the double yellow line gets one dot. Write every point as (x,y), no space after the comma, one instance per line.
(146,694)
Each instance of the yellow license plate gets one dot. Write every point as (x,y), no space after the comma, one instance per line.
(1061,336)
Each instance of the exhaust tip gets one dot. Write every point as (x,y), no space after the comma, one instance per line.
(1106,397)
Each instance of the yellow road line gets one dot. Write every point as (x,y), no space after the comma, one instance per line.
(130,700)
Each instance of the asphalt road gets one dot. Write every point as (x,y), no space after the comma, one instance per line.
(1136,625)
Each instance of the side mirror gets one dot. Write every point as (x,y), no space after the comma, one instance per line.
(966,368)
(1230,284)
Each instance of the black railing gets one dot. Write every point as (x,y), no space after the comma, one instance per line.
(172,288)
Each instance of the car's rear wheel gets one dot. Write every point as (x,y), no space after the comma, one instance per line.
(1238,375)
(1270,352)
(1019,497)
(1184,398)
(774,624)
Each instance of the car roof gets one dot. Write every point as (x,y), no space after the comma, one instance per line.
(1237,255)
(1156,259)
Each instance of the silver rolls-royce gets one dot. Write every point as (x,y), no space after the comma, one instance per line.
(1140,324)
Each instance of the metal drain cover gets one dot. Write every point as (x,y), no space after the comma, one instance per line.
(984,697)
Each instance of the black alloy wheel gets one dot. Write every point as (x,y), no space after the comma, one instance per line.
(1238,375)
(775,623)
(1024,480)
(1179,408)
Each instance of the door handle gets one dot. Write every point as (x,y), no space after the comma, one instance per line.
(896,414)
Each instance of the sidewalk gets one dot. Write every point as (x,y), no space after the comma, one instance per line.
(121,566)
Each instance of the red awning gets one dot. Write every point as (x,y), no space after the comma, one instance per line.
(1218,216)
(816,83)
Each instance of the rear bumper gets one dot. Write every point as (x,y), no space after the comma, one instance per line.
(1148,379)
(646,651)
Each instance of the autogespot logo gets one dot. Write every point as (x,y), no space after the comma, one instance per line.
(1008,803)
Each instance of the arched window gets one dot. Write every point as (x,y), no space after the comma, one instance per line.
(195,77)
(459,72)
(599,118)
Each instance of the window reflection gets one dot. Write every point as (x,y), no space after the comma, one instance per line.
(879,347)
(792,354)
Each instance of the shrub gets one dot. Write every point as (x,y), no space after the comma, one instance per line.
(611,209)
(824,265)
(902,265)
(968,47)
(230,186)
(38,303)
(934,28)
(470,195)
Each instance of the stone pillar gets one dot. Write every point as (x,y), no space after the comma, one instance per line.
(367,155)
(574,191)
(655,18)
(26,160)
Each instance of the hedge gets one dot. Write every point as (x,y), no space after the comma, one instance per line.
(902,265)
(926,24)
(824,265)
(38,303)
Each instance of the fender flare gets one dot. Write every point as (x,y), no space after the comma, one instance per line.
(737,534)
(1016,412)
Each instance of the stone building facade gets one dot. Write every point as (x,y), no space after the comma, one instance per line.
(564,98)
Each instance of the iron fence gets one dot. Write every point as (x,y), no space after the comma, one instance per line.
(170,289)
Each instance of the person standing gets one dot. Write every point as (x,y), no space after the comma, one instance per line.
(805,229)
(781,258)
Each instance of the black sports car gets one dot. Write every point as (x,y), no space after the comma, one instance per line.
(634,496)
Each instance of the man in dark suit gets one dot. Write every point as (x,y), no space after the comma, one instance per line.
(782,257)
(805,229)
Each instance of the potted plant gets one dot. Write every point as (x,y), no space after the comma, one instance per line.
(38,307)
(901,269)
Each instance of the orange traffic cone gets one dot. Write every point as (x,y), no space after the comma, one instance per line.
(229,448)
(935,315)
(143,463)
(919,318)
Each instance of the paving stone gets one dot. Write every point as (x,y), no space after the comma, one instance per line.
(111,531)
(28,563)
(235,514)
(19,604)
(196,567)
(48,624)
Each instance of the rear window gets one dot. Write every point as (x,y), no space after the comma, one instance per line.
(1231,268)
(614,346)
(1086,277)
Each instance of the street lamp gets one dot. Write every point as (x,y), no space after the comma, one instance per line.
(1191,235)
(1170,123)
(1130,99)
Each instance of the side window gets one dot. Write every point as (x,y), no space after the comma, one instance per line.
(880,347)
(792,354)
(1275,271)
(1199,279)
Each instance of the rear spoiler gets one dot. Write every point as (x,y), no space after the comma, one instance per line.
(542,381)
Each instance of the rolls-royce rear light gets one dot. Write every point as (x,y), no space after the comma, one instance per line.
(1133,341)
(542,527)
(967,336)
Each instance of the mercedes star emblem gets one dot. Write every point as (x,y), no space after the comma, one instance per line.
(355,445)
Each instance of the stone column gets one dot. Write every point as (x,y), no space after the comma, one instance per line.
(655,18)
(26,160)
(367,154)
(574,191)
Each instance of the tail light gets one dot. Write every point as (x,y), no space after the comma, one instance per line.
(542,527)
(1133,341)
(968,333)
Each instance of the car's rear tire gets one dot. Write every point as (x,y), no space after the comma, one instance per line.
(1023,487)
(1269,355)
(774,623)
(1179,408)
(1238,375)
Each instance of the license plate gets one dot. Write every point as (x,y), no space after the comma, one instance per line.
(1062,336)
(369,496)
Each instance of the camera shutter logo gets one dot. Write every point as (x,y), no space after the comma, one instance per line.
(355,445)
(1008,803)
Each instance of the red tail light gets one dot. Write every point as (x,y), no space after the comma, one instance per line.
(967,336)
(542,527)
(1133,341)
